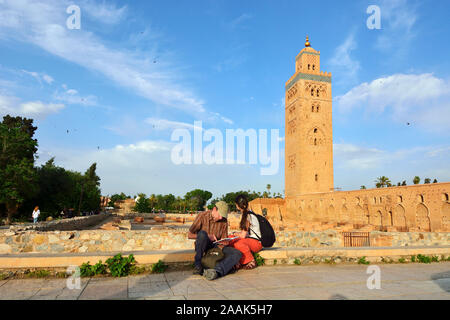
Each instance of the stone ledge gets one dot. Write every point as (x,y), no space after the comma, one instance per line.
(40,260)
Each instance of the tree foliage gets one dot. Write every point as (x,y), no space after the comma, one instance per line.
(198,198)
(382,182)
(17,154)
(142,204)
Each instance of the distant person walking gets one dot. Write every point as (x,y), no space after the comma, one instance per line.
(35,214)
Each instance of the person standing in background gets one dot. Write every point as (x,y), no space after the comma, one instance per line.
(35,214)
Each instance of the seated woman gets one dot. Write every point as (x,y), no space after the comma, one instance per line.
(249,236)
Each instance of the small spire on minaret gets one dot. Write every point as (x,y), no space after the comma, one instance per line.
(307,44)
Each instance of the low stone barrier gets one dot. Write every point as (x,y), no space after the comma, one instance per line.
(91,241)
(272,256)
(76,223)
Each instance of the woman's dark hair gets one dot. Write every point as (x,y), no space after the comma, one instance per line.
(242,203)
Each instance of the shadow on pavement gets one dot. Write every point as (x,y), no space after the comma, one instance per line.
(442,279)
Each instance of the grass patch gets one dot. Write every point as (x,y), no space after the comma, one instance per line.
(159,267)
(38,274)
(363,260)
(3,276)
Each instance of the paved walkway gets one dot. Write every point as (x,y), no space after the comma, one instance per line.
(409,281)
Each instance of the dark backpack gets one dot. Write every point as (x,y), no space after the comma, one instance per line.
(211,257)
(267,234)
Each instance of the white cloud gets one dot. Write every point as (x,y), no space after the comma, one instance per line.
(398,18)
(104,12)
(164,124)
(357,157)
(43,23)
(146,166)
(343,66)
(421,99)
(40,76)
(47,78)
(71,96)
(35,109)
(217,116)
(240,20)
(356,165)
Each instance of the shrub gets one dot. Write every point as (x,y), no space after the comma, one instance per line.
(159,267)
(86,270)
(260,261)
(413,258)
(423,259)
(275,261)
(297,261)
(363,260)
(135,270)
(402,260)
(120,266)
(98,268)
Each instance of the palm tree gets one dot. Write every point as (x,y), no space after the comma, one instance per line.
(382,182)
(416,180)
(268,189)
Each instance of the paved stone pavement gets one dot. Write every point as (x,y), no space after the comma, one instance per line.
(339,282)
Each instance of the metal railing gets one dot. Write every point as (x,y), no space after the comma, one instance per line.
(356,239)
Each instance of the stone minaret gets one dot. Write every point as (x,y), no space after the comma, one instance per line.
(309,131)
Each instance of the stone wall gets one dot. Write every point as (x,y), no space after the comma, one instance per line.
(76,223)
(421,208)
(176,239)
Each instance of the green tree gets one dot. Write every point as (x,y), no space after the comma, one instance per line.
(435,181)
(153,201)
(198,198)
(404,183)
(17,153)
(268,187)
(427,181)
(416,180)
(363,188)
(117,197)
(58,183)
(142,204)
(382,182)
(90,193)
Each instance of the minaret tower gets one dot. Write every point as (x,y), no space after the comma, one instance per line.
(309,131)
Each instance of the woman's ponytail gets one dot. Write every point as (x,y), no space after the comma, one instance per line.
(242,203)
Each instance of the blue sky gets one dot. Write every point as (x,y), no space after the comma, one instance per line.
(137,70)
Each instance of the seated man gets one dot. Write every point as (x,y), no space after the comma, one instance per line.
(208,227)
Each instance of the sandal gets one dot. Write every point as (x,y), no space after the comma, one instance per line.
(237,266)
(250,265)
